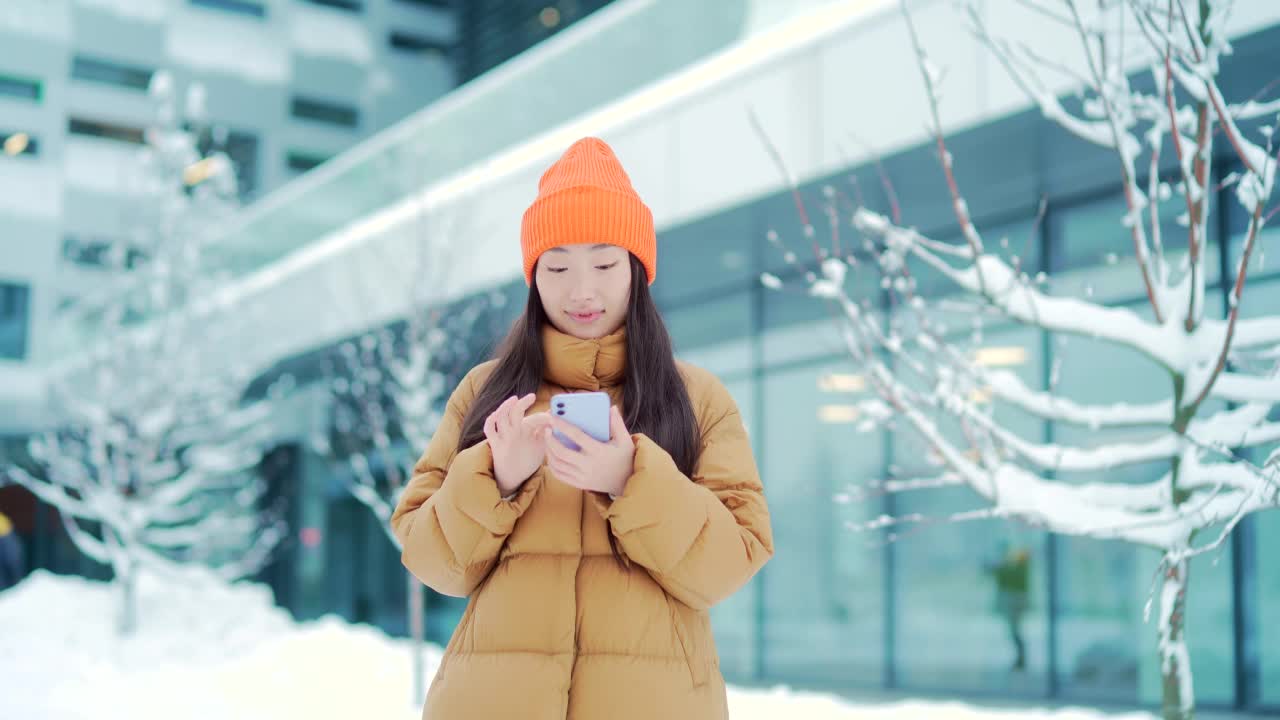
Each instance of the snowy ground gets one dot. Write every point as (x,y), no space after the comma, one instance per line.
(226,652)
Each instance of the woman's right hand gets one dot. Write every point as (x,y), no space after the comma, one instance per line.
(516,442)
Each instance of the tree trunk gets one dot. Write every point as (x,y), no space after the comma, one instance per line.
(127,578)
(1178,701)
(417,614)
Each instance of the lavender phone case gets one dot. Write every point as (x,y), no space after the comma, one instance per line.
(589,411)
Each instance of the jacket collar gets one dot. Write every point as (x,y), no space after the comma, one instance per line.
(578,364)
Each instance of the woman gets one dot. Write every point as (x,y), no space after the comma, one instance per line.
(590,573)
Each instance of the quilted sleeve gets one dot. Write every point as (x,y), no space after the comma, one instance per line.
(701,538)
(450,519)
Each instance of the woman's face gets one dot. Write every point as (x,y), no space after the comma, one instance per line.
(585,288)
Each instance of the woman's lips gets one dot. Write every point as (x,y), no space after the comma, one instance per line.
(586,317)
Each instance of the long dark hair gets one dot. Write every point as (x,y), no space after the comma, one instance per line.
(654,397)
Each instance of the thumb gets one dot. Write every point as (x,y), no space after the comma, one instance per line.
(617,427)
(536,421)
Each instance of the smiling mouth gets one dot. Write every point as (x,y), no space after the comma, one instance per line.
(586,317)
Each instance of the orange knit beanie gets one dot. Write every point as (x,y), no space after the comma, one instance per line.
(586,197)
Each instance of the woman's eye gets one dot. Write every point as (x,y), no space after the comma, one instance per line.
(606,267)
(556,270)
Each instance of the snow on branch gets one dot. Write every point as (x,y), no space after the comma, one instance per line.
(387,386)
(153,456)
(1020,301)
(1009,387)
(1015,474)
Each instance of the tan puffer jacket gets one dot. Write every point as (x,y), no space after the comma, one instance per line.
(556,628)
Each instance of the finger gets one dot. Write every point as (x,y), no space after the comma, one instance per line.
(556,450)
(503,414)
(526,402)
(542,434)
(535,423)
(515,413)
(511,414)
(500,412)
(491,426)
(558,466)
(617,426)
(565,474)
(584,441)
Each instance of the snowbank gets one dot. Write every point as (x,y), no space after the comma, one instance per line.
(212,650)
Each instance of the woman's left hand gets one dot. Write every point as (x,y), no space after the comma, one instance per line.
(598,466)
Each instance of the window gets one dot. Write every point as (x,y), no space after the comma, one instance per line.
(438,4)
(109,131)
(18,143)
(325,112)
(800,327)
(410,43)
(715,255)
(735,621)
(14,301)
(1093,255)
(713,333)
(1099,582)
(242,148)
(243,7)
(1106,650)
(823,598)
(348,5)
(110,73)
(991,631)
(354,6)
(1261,599)
(21,88)
(1267,600)
(100,252)
(299,161)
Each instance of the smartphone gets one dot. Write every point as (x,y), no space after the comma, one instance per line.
(589,411)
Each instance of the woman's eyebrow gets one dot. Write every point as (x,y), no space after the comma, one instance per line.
(597,246)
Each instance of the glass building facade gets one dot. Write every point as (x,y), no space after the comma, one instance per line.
(847,611)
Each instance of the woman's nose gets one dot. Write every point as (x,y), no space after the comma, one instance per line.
(582,291)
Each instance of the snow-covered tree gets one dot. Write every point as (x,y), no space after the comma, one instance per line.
(1211,432)
(151,459)
(387,388)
